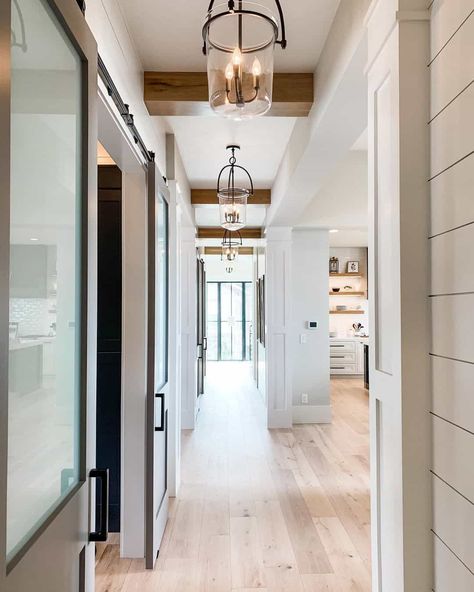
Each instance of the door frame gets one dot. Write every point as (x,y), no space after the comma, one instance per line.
(116,140)
(76,510)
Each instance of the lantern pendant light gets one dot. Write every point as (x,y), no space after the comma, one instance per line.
(231,241)
(232,199)
(239,40)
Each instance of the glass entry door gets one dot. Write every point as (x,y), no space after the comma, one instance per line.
(47,295)
(229,321)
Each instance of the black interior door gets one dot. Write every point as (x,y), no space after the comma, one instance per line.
(109,334)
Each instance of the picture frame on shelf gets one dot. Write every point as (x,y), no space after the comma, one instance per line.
(334,265)
(352,267)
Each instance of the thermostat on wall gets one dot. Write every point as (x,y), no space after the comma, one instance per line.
(311,324)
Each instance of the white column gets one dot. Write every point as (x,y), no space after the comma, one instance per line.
(188,327)
(278,327)
(398,86)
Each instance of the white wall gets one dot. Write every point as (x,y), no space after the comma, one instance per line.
(216,269)
(452,291)
(310,301)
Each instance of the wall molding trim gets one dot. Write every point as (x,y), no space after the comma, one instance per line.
(312,414)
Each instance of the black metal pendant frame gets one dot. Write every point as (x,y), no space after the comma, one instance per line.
(242,13)
(231,178)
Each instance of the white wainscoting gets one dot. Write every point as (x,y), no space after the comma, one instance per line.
(450,574)
(453,451)
(453,71)
(452,204)
(446,18)
(452,237)
(452,132)
(453,521)
(452,260)
(453,396)
(453,326)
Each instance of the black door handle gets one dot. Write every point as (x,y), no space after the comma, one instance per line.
(204,343)
(161,427)
(103,532)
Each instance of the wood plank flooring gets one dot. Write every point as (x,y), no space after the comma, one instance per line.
(274,511)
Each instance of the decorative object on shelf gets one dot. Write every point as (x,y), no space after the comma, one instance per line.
(336,290)
(341,307)
(352,267)
(232,199)
(239,40)
(348,288)
(334,265)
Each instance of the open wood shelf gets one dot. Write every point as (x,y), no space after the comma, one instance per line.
(346,312)
(345,293)
(345,275)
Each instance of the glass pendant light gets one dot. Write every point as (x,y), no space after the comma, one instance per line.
(232,199)
(231,241)
(239,41)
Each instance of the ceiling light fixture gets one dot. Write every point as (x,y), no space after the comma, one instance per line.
(232,199)
(333,230)
(239,40)
(231,241)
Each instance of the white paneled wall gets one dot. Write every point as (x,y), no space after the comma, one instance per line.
(452,291)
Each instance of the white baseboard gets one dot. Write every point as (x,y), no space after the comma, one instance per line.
(312,414)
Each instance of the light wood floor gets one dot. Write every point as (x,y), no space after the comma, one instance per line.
(278,511)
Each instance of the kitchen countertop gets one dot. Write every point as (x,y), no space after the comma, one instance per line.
(24,343)
(351,338)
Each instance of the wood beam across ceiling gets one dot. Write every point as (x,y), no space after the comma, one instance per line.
(201,197)
(218,251)
(186,93)
(218,232)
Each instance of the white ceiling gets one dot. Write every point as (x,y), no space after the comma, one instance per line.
(202,144)
(167,33)
(342,202)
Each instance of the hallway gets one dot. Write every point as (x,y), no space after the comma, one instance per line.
(286,510)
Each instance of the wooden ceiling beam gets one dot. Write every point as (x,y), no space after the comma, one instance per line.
(186,93)
(201,197)
(218,251)
(218,232)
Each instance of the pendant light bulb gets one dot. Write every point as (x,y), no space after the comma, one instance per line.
(237,57)
(229,71)
(256,67)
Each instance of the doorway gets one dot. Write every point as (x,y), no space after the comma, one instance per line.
(229,321)
(109,333)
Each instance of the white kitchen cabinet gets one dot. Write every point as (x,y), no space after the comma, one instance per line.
(346,356)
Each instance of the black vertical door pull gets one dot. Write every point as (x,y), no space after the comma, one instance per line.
(161,427)
(103,532)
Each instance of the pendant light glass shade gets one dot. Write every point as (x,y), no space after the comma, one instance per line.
(239,41)
(229,253)
(232,198)
(233,208)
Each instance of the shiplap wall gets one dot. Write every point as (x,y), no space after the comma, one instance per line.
(452,291)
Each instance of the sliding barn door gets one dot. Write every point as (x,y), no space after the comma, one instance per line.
(157,365)
(48,195)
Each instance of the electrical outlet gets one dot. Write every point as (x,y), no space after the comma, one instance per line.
(304,398)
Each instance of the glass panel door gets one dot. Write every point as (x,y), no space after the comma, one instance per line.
(229,325)
(45,270)
(48,267)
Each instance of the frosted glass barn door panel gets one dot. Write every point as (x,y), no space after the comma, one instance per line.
(45,230)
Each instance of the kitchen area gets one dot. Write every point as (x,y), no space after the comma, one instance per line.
(348,312)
